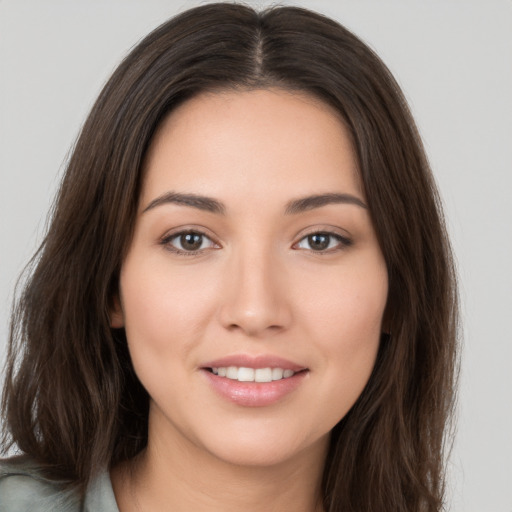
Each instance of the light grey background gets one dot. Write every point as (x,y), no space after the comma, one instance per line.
(454,62)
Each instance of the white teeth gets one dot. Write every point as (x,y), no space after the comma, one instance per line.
(232,372)
(277,373)
(243,374)
(263,375)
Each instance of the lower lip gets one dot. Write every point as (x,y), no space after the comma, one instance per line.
(254,394)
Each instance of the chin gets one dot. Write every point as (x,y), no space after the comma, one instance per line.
(264,448)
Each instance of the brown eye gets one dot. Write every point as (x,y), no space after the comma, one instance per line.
(188,242)
(323,242)
(319,241)
(191,241)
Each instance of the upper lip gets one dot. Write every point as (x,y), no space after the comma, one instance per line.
(254,361)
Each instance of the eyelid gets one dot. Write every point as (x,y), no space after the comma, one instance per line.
(345,240)
(181,230)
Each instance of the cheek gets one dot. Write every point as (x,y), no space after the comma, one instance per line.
(346,305)
(344,320)
(165,311)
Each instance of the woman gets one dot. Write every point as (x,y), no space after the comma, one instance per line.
(246,296)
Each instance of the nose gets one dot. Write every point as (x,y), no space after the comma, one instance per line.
(256,296)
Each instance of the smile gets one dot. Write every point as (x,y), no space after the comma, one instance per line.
(243,374)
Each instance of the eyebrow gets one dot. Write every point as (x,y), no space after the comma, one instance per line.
(193,200)
(293,207)
(319,200)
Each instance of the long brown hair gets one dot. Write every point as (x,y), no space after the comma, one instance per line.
(71,399)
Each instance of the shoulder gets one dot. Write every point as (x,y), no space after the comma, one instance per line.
(22,486)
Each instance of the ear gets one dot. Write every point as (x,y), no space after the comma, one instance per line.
(116,315)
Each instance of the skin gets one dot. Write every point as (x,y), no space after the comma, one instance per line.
(256,286)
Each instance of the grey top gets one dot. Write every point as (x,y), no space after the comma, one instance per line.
(24,489)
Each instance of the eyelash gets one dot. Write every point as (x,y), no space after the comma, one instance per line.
(343,242)
(166,241)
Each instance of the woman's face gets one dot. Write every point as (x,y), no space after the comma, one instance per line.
(253,259)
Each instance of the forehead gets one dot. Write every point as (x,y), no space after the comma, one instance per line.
(257,142)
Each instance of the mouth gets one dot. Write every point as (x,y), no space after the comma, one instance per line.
(254,381)
(246,374)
